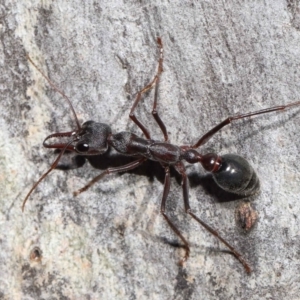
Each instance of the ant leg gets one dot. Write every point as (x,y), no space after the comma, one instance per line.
(162,210)
(185,188)
(207,136)
(108,171)
(155,82)
(154,111)
(70,161)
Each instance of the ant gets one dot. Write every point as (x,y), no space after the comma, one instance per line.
(231,172)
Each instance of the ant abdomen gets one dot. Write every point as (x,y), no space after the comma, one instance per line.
(236,175)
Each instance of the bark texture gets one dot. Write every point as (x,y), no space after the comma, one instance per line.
(111,242)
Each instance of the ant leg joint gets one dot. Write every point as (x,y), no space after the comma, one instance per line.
(154,112)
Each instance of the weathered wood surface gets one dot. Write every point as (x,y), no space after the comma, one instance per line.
(111,242)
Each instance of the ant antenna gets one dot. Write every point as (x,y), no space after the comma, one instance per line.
(53,166)
(56,89)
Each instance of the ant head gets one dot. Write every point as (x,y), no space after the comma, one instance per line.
(89,139)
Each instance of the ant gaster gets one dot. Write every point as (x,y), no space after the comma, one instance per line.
(231,172)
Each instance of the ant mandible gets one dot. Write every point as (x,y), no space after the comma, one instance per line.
(231,172)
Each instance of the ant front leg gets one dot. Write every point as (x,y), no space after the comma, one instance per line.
(207,136)
(162,210)
(154,82)
(70,161)
(108,171)
(185,188)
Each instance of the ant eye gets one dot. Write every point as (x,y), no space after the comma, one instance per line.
(82,147)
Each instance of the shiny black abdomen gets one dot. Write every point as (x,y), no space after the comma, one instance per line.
(236,176)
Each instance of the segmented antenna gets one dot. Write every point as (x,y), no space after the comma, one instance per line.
(56,89)
(53,166)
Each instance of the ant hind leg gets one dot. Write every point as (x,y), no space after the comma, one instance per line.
(208,135)
(185,188)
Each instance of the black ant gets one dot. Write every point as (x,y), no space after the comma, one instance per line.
(231,172)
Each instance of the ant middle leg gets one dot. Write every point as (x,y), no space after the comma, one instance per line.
(207,136)
(154,82)
(185,188)
(170,223)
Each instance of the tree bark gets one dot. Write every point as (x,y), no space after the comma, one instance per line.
(111,241)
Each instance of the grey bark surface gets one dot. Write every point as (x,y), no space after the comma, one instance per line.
(111,242)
